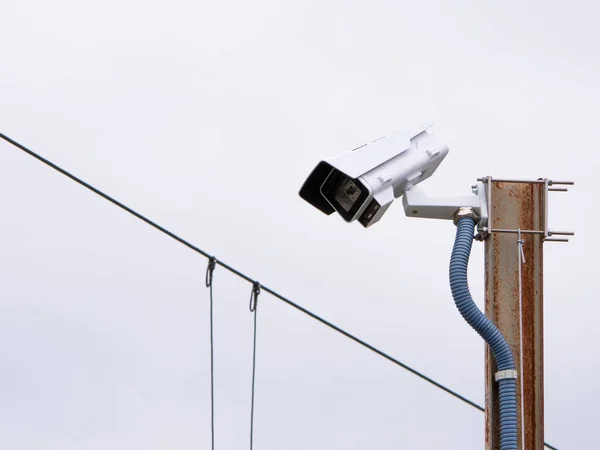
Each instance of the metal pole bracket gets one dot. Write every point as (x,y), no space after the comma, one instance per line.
(485,229)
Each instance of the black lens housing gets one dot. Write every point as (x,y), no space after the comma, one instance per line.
(329,188)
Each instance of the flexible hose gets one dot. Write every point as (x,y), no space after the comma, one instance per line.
(486,329)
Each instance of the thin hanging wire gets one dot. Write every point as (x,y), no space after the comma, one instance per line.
(253,309)
(212,262)
(521,258)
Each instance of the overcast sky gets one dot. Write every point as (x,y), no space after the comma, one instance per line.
(207,117)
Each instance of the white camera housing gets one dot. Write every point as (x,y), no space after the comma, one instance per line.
(363,182)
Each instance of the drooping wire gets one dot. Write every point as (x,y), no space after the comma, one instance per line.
(242,275)
(209,284)
(254,310)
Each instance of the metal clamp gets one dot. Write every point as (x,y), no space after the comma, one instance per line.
(485,231)
(506,374)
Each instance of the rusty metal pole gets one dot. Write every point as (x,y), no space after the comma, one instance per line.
(517,205)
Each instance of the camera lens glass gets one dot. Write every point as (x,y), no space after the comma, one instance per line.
(347,193)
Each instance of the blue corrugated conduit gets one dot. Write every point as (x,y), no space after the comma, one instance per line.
(487,330)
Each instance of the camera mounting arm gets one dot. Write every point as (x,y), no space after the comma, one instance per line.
(418,204)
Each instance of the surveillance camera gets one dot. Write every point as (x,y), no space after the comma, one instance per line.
(362,183)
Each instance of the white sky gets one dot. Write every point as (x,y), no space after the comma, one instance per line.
(207,117)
